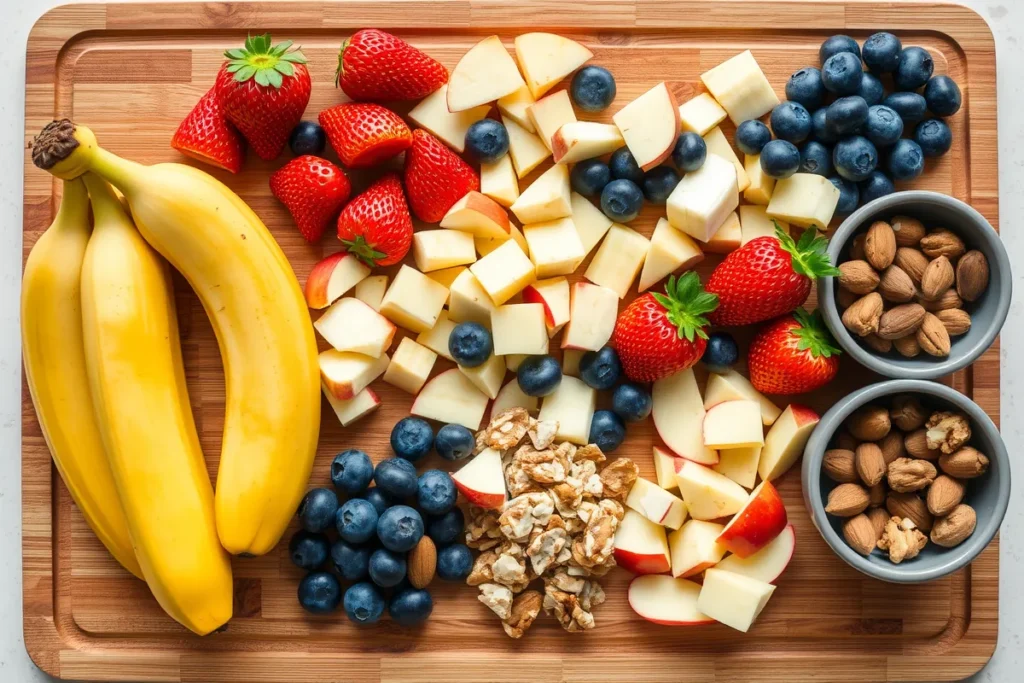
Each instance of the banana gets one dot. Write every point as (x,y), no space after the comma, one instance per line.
(54,352)
(249,291)
(137,382)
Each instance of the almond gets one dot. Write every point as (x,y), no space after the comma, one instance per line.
(870,463)
(908,231)
(907,413)
(862,317)
(945,302)
(846,441)
(876,494)
(847,500)
(956,321)
(857,247)
(910,474)
(971,275)
(932,336)
(880,245)
(892,447)
(845,298)
(907,346)
(942,242)
(916,444)
(912,262)
(877,344)
(878,517)
(857,277)
(956,527)
(422,563)
(944,494)
(909,505)
(838,465)
(869,423)
(966,463)
(860,533)
(899,321)
(896,286)
(937,278)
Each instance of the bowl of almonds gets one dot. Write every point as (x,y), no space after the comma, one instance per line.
(923,287)
(906,480)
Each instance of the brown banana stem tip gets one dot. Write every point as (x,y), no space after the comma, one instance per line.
(54,144)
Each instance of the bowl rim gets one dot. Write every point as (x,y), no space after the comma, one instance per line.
(955,558)
(935,368)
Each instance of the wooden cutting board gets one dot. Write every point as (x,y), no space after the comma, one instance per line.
(131,72)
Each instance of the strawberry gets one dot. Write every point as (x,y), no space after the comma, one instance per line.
(375,65)
(768,276)
(208,136)
(376,225)
(365,134)
(660,334)
(264,89)
(792,355)
(314,190)
(435,177)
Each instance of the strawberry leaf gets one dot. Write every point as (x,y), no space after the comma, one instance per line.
(686,303)
(261,60)
(245,73)
(285,68)
(235,53)
(363,251)
(812,335)
(809,255)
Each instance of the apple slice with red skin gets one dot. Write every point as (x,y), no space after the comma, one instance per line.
(768,563)
(640,545)
(332,277)
(664,600)
(481,480)
(759,521)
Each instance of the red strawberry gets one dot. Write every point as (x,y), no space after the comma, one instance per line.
(660,334)
(792,355)
(365,134)
(314,190)
(376,225)
(208,136)
(767,277)
(375,65)
(435,178)
(264,89)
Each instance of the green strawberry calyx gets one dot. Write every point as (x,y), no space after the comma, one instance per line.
(808,255)
(686,303)
(264,62)
(812,335)
(363,250)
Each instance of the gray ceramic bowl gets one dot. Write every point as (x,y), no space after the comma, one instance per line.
(988,313)
(988,495)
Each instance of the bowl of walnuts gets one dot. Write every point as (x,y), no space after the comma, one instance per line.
(923,287)
(906,480)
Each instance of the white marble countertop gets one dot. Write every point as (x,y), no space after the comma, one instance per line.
(1006,18)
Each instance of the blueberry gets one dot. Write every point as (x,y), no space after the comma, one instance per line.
(592,88)
(815,158)
(849,195)
(882,52)
(911,106)
(589,177)
(487,141)
(836,44)
(846,115)
(400,528)
(721,352)
(454,442)
(659,183)
(632,402)
(883,126)
(780,159)
(317,510)
(752,136)
(386,568)
(377,498)
(351,561)
(454,563)
(307,550)
(942,95)
(412,438)
(600,369)
(855,157)
(624,167)
(906,160)
(690,152)
(470,344)
(621,200)
(539,375)
(351,471)
(877,185)
(607,430)
(934,137)
(435,492)
(319,593)
(806,87)
(447,528)
(396,477)
(356,520)
(410,607)
(841,73)
(819,127)
(871,89)
(364,603)
(914,69)
(791,121)
(307,138)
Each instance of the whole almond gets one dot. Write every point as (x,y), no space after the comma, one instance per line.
(908,231)
(950,299)
(857,277)
(847,500)
(956,320)
(860,533)
(870,463)
(971,275)
(838,465)
(909,505)
(846,441)
(956,527)
(892,447)
(845,298)
(907,413)
(937,278)
(876,343)
(912,262)
(422,563)
(862,316)
(965,463)
(896,286)
(944,494)
(880,245)
(878,517)
(907,346)
(910,474)
(942,242)
(876,494)
(869,423)
(932,336)
(857,247)
(899,321)
(916,444)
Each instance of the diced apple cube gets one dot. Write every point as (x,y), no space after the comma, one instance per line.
(432,115)
(806,200)
(700,114)
(590,221)
(484,74)
(555,247)
(656,504)
(478,215)
(732,386)
(579,140)
(734,424)
(351,325)
(768,563)
(670,250)
(640,545)
(481,480)
(332,277)
(704,198)
(360,405)
(504,272)
(754,223)
(718,145)
(761,186)
(554,295)
(708,494)
(572,405)
(488,376)
(664,600)
(498,181)
(546,198)
(447,276)
(519,328)
(695,547)
(371,290)
(436,338)
(485,245)
(727,238)
(679,416)
(525,148)
(410,366)
(785,441)
(741,88)
(469,301)
(547,58)
(413,300)
(437,249)
(593,310)
(345,374)
(665,465)
(650,124)
(550,113)
(618,260)
(513,360)
(511,396)
(733,599)
(451,398)
(739,464)
(515,106)
(571,362)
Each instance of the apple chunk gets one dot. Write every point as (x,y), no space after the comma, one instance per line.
(481,480)
(739,464)
(733,424)
(708,494)
(360,405)
(332,277)
(593,310)
(667,601)
(484,74)
(640,545)
(670,251)
(768,563)
(432,114)
(478,215)
(554,295)
(759,521)
(351,325)
(732,386)
(547,58)
(678,414)
(579,140)
(547,198)
(550,113)
(665,468)
(571,405)
(656,504)
(511,396)
(450,397)
(695,547)
(733,599)
(649,124)
(785,441)
(345,374)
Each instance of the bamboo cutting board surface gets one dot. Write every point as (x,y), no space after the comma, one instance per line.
(131,72)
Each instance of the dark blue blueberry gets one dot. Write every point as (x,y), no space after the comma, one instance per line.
(356,520)
(351,561)
(624,167)
(911,106)
(780,159)
(539,375)
(914,69)
(855,157)
(307,138)
(589,177)
(836,44)
(377,498)
(942,95)
(791,121)
(934,137)
(806,87)
(721,352)
(436,492)
(412,437)
(470,344)
(849,195)
(752,136)
(871,89)
(632,402)
(841,73)
(592,88)
(882,52)
(400,528)
(607,430)
(396,478)
(819,127)
(846,115)
(877,185)
(883,126)
(600,369)
(454,563)
(386,568)
(815,158)
(317,510)
(690,152)
(621,200)
(364,603)
(410,607)
(906,160)
(351,471)
(447,528)
(319,593)
(659,183)
(307,550)
(454,442)
(487,141)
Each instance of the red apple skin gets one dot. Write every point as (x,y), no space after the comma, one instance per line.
(668,152)
(558,146)
(485,206)
(757,524)
(693,571)
(339,390)
(488,501)
(642,564)
(532,296)
(803,415)
(319,277)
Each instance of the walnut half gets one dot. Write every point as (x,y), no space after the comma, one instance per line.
(902,539)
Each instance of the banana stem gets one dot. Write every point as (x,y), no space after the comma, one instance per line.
(105,205)
(73,211)
(119,172)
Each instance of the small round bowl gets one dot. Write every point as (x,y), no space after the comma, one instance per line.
(988,313)
(988,494)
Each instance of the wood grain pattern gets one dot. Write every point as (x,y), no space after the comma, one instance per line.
(132,72)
